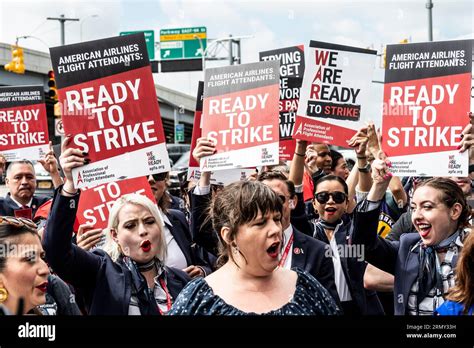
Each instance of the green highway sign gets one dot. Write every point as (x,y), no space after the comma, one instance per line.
(179,133)
(149,39)
(182,43)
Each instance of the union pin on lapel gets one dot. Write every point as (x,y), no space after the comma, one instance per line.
(298,251)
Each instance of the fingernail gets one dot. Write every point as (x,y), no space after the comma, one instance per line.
(68,135)
(459,146)
(87,161)
(85,153)
(461,136)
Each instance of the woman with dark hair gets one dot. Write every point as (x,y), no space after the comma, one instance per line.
(334,228)
(461,296)
(423,263)
(23,271)
(247,218)
(339,165)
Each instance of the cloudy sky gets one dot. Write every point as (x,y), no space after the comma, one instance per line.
(269,23)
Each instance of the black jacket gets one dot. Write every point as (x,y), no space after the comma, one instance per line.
(8,206)
(106,285)
(353,266)
(309,254)
(194,254)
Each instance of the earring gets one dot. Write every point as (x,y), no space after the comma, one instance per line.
(3,295)
(235,249)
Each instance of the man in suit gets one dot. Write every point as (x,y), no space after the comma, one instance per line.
(21,182)
(300,250)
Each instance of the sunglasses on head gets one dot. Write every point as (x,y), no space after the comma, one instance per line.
(337,197)
(18,222)
(159,176)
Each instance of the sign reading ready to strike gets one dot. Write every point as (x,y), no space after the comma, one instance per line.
(110,108)
(426,100)
(95,203)
(221,177)
(335,93)
(241,115)
(23,123)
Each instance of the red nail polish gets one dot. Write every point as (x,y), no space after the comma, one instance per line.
(459,146)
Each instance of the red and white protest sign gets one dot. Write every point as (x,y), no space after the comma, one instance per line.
(221,177)
(335,93)
(96,202)
(23,123)
(426,101)
(291,77)
(111,109)
(241,115)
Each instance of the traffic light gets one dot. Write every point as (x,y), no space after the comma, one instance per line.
(53,92)
(17,65)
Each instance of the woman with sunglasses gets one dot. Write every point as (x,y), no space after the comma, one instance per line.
(423,263)
(334,228)
(128,276)
(23,271)
(247,217)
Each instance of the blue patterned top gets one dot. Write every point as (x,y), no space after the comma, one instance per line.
(453,308)
(310,298)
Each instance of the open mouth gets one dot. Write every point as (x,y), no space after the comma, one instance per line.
(273,250)
(146,245)
(43,287)
(330,210)
(424,229)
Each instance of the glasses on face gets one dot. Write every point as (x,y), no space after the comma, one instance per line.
(159,176)
(337,197)
(18,222)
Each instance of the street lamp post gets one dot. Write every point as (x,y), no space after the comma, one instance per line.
(83,20)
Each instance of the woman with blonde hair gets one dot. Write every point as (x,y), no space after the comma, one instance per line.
(129,277)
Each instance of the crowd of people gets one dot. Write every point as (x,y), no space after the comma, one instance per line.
(317,236)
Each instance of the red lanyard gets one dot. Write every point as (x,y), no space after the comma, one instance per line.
(287,250)
(168,296)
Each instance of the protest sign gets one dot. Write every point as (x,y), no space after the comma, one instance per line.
(221,177)
(291,77)
(241,115)
(23,123)
(95,203)
(110,108)
(426,100)
(335,93)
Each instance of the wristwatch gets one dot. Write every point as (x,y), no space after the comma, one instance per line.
(365,169)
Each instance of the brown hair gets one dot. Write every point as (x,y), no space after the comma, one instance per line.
(451,194)
(463,291)
(238,204)
(278,175)
(10,231)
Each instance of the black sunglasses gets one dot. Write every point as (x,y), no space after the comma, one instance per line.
(337,197)
(159,176)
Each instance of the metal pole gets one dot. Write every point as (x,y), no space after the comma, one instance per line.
(239,61)
(63,40)
(429,6)
(231,54)
(62,19)
(175,114)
